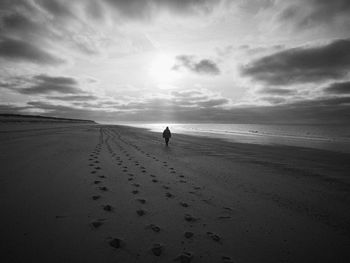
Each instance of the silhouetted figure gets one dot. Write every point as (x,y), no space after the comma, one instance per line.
(166,135)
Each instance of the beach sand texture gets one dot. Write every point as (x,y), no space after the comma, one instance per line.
(98,193)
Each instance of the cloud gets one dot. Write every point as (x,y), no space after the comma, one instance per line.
(17,50)
(55,7)
(316,12)
(73,97)
(204,66)
(276,91)
(135,9)
(338,88)
(302,64)
(44,84)
(322,110)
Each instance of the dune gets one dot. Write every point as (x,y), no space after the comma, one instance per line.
(83,192)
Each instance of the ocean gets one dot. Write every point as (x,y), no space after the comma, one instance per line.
(326,137)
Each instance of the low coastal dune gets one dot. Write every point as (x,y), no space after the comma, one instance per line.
(83,192)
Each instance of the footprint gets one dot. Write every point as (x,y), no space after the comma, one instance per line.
(157,249)
(154,227)
(135,192)
(185,257)
(97,182)
(183,181)
(102,176)
(116,243)
(214,236)
(142,201)
(107,208)
(181,176)
(97,224)
(95,197)
(136,185)
(97,168)
(226,259)
(130,179)
(188,234)
(196,188)
(103,188)
(154,180)
(152,175)
(93,172)
(166,187)
(140,212)
(190,218)
(169,195)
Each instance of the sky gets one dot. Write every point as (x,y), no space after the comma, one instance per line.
(228,61)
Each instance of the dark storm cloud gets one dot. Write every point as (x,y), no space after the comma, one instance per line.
(302,65)
(204,66)
(17,50)
(44,84)
(316,12)
(338,88)
(137,9)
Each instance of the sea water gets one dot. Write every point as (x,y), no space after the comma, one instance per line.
(327,137)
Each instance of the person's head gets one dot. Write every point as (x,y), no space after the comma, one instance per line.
(167,128)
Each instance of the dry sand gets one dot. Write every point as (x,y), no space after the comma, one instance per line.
(93,193)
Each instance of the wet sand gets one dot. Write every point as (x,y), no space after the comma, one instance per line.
(96,193)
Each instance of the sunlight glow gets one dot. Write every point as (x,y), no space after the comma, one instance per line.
(161,68)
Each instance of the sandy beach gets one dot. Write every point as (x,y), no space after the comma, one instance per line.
(81,192)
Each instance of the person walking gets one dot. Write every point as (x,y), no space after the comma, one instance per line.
(166,135)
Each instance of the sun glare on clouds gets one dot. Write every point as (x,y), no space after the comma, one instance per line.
(161,69)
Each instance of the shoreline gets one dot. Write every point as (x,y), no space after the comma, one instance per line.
(341,144)
(201,198)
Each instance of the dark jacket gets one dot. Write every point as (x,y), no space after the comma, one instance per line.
(166,134)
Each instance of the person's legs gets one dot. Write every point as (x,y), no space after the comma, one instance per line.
(166,141)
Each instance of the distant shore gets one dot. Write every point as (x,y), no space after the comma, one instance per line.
(105,193)
(4,118)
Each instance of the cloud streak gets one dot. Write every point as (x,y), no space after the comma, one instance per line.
(302,65)
(44,84)
(338,88)
(17,50)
